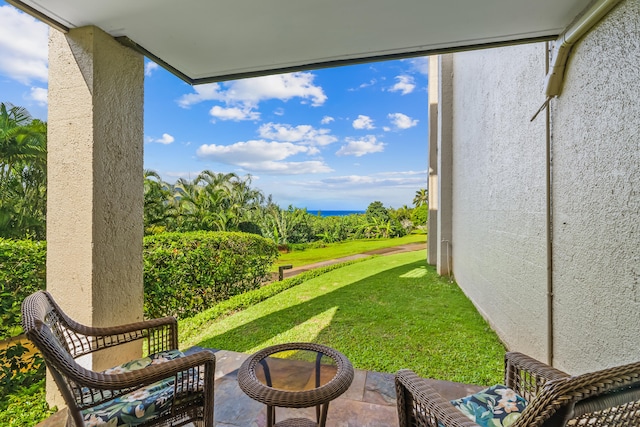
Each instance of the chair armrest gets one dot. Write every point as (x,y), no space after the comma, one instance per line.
(527,376)
(419,404)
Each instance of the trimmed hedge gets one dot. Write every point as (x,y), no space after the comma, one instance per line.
(185,273)
(22,272)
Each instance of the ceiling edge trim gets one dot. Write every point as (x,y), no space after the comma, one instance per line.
(126,41)
(330,63)
(39,15)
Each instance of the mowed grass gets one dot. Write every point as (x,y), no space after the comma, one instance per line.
(384,314)
(342,249)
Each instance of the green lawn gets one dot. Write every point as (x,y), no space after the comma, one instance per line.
(384,314)
(343,249)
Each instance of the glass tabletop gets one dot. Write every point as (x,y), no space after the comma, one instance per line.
(296,370)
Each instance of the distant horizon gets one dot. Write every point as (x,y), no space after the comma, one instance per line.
(336,212)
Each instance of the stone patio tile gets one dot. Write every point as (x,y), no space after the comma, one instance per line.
(380,389)
(350,413)
(233,407)
(356,390)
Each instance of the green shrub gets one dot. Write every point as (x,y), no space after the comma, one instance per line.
(22,394)
(185,273)
(22,272)
(26,407)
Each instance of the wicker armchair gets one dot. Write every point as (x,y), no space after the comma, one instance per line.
(166,388)
(610,397)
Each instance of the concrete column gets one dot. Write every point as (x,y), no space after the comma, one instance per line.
(432,221)
(444,262)
(95,190)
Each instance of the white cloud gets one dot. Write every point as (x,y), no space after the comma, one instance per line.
(289,168)
(421,64)
(363,122)
(264,156)
(250,92)
(326,120)
(206,92)
(405,84)
(39,94)
(303,134)
(360,147)
(24,46)
(166,139)
(385,179)
(234,113)
(149,68)
(402,121)
(250,151)
(364,85)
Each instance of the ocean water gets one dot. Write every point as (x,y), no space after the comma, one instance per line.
(334,212)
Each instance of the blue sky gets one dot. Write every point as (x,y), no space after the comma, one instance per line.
(337,138)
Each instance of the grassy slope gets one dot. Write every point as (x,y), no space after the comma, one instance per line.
(343,249)
(385,313)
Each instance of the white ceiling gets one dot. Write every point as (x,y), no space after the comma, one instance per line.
(213,40)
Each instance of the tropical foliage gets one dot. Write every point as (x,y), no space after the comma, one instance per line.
(421,198)
(23,174)
(228,202)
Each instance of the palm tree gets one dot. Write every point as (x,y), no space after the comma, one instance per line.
(23,173)
(421,197)
(158,209)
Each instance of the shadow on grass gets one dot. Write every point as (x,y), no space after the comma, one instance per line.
(402,317)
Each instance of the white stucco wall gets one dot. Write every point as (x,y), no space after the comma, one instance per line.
(499,221)
(499,208)
(596,192)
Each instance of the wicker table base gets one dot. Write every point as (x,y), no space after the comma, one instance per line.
(296,375)
(297,422)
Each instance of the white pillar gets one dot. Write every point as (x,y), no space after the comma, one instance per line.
(95,190)
(444,262)
(432,221)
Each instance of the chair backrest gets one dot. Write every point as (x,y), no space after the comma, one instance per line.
(609,397)
(52,332)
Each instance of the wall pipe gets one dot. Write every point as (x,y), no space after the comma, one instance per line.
(556,64)
(566,40)
(549,220)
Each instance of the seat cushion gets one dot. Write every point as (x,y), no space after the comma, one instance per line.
(140,405)
(496,406)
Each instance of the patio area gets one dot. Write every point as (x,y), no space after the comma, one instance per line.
(370,401)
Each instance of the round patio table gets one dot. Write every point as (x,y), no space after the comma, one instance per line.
(296,375)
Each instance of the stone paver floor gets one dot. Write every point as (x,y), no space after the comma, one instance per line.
(369,402)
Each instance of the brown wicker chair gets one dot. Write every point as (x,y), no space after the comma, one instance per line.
(167,388)
(610,397)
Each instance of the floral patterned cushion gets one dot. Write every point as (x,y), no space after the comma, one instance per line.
(496,406)
(140,405)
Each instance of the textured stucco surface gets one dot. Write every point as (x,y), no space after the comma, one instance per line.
(499,205)
(94,217)
(499,221)
(596,175)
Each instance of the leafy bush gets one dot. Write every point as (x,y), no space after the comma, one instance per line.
(185,273)
(420,215)
(22,272)
(22,392)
